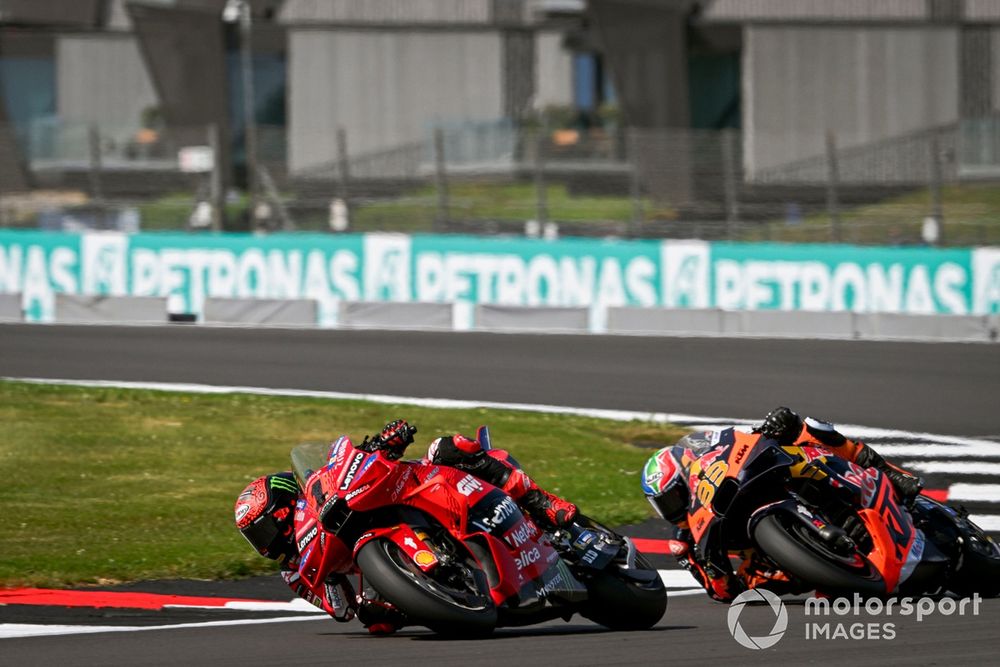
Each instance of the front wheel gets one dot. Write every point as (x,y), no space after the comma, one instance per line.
(796,550)
(452,599)
(620,601)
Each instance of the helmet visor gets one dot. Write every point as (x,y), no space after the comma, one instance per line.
(671,504)
(261,533)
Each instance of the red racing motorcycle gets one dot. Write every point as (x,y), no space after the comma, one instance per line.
(456,554)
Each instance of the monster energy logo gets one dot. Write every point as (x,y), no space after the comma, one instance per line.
(283,484)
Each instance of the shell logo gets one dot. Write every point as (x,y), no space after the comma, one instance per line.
(424,558)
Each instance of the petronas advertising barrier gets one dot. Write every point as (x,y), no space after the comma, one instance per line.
(468,271)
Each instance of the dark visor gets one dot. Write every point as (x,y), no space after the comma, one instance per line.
(670,505)
(261,533)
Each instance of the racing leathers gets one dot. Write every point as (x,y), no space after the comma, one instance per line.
(498,467)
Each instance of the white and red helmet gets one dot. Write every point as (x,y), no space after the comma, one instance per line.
(265,515)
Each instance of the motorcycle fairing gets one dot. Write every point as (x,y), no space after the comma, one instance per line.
(411,542)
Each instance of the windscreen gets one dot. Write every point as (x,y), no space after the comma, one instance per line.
(307,458)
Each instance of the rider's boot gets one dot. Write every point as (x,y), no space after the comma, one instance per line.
(547,509)
(907,486)
(378,615)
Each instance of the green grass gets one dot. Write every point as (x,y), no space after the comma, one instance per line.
(415,211)
(971,217)
(171,212)
(494,201)
(108,485)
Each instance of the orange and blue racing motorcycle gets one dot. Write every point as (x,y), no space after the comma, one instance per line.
(800,518)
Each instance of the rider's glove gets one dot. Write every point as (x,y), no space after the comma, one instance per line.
(781,424)
(393,440)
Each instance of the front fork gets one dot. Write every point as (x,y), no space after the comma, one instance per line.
(831,535)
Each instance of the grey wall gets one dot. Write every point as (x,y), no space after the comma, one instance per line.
(102,79)
(386,88)
(817,10)
(386,11)
(553,70)
(863,83)
(995,66)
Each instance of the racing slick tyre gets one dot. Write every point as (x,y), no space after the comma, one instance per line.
(450,599)
(796,551)
(626,599)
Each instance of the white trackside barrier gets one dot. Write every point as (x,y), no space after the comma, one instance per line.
(87,309)
(10,308)
(799,324)
(531,318)
(264,312)
(382,315)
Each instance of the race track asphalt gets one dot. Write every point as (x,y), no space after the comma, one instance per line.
(938,388)
(945,388)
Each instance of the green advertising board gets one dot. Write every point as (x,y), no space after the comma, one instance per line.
(187,269)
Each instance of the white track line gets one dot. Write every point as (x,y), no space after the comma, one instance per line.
(988,522)
(953,467)
(614,415)
(296,605)
(989,493)
(13,630)
(982,450)
(677,579)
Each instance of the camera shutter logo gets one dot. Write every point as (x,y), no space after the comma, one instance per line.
(780,619)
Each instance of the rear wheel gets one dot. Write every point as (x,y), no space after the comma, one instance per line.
(980,571)
(801,554)
(452,599)
(622,602)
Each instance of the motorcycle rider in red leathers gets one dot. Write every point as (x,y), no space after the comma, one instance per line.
(787,428)
(267,508)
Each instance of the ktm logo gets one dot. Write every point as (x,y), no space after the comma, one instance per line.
(740,454)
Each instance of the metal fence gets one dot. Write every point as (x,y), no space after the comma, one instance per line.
(937,186)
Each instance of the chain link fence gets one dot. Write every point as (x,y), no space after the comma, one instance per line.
(939,186)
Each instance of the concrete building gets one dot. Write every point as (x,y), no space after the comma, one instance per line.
(384,71)
(877,77)
(388,72)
